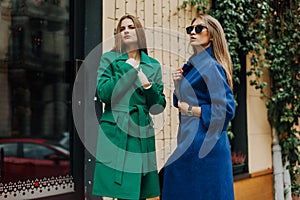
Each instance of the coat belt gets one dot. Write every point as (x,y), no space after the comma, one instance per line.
(142,131)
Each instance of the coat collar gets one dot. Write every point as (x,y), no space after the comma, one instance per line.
(201,57)
(209,50)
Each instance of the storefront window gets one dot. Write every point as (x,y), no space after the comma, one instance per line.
(35,103)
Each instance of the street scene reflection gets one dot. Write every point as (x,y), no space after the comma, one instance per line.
(35,85)
(26,158)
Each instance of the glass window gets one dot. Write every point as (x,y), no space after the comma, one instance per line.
(9,149)
(36,151)
(36,90)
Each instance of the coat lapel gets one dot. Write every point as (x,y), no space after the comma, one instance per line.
(145,64)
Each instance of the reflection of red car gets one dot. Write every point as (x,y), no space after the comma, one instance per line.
(26,158)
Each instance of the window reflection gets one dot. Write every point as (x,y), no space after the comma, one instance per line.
(28,158)
(10,149)
(35,102)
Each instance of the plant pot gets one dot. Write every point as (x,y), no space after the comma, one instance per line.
(238,168)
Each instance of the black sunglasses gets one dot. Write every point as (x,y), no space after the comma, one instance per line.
(198,28)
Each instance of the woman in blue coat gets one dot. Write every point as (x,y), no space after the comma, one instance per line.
(200,167)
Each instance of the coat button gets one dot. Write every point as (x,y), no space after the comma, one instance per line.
(140,92)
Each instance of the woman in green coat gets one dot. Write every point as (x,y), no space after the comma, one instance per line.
(129,83)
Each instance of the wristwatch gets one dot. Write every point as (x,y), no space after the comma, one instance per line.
(190,112)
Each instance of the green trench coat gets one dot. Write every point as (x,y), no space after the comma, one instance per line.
(125,160)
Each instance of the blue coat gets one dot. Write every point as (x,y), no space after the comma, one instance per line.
(200,167)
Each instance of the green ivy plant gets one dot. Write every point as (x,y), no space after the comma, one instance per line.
(268,31)
(282,56)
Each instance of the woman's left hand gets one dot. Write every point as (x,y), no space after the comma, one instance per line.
(144,80)
(183,106)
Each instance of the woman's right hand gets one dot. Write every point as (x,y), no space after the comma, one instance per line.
(177,74)
(132,62)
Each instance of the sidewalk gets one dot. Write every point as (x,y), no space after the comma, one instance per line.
(108,198)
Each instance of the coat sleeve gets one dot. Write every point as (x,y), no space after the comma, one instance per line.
(222,101)
(222,107)
(112,81)
(155,97)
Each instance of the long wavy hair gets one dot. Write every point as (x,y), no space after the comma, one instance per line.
(141,36)
(218,43)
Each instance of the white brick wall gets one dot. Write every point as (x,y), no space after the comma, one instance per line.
(167,42)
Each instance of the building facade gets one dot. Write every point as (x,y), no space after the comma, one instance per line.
(46,45)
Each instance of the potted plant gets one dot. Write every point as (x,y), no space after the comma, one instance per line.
(238,162)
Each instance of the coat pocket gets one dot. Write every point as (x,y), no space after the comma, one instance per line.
(107,142)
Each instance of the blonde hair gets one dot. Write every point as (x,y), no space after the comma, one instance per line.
(141,36)
(219,44)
